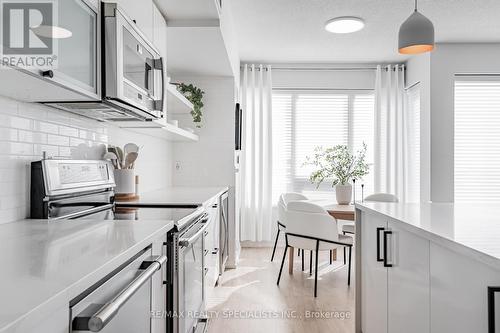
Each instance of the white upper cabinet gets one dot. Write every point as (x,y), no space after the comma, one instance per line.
(141,12)
(160,32)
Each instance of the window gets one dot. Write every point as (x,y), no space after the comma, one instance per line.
(477,139)
(303,120)
(412,172)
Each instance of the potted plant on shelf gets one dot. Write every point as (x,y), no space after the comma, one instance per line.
(338,165)
(195,96)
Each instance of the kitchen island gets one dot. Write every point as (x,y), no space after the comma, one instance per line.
(427,267)
(46,264)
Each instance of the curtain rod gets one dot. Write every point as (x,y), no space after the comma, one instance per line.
(322,89)
(322,69)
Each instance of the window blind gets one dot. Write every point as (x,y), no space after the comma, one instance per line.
(413,144)
(477,140)
(303,120)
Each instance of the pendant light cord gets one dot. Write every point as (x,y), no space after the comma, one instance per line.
(416,5)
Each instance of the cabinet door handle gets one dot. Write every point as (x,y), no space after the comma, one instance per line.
(386,247)
(379,257)
(491,308)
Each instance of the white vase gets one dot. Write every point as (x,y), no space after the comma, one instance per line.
(344,194)
(125,181)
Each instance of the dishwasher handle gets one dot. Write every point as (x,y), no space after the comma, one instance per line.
(103,316)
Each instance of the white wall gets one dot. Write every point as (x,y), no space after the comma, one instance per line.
(313,79)
(27,129)
(418,72)
(210,161)
(446,61)
(436,73)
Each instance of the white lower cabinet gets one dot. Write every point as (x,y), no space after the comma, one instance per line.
(408,282)
(459,284)
(374,277)
(428,287)
(395,278)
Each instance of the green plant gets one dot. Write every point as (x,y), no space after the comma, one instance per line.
(337,164)
(195,96)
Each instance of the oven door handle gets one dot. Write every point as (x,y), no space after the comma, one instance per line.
(104,315)
(185,242)
(84,212)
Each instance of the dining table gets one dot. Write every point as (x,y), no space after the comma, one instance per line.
(339,212)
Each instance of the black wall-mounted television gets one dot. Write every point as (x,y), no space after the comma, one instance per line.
(238,123)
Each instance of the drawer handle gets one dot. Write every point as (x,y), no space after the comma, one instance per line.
(105,314)
(491,308)
(379,257)
(386,248)
(205,271)
(205,252)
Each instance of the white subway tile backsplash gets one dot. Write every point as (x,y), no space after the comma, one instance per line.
(8,134)
(27,130)
(57,140)
(68,131)
(33,137)
(50,151)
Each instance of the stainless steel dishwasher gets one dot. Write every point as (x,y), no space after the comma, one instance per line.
(120,302)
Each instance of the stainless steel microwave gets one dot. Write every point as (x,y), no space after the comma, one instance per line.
(132,73)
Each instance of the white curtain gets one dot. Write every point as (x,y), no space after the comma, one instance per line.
(392,132)
(256,157)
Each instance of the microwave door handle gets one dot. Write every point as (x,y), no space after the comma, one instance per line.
(105,314)
(158,65)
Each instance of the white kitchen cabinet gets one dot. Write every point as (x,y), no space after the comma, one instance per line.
(459,292)
(394,299)
(407,281)
(374,278)
(141,12)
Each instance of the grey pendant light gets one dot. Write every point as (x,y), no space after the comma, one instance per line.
(416,34)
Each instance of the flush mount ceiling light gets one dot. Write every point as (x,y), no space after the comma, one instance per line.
(416,34)
(50,31)
(344,25)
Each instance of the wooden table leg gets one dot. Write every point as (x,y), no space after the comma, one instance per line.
(334,255)
(290,260)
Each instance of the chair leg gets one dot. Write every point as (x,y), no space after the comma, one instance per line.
(331,255)
(282,263)
(316,271)
(310,263)
(275,244)
(344,255)
(349,269)
(302,259)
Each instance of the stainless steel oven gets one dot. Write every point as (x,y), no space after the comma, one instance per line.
(121,302)
(187,270)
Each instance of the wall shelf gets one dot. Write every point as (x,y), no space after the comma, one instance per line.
(167,132)
(176,102)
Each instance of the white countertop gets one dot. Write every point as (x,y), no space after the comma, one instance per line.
(195,196)
(44,264)
(473,229)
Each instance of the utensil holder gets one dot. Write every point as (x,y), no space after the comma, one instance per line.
(125,181)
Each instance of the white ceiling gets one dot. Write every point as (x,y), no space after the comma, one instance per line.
(292,31)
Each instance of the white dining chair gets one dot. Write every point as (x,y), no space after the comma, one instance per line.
(349,228)
(282,202)
(320,233)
